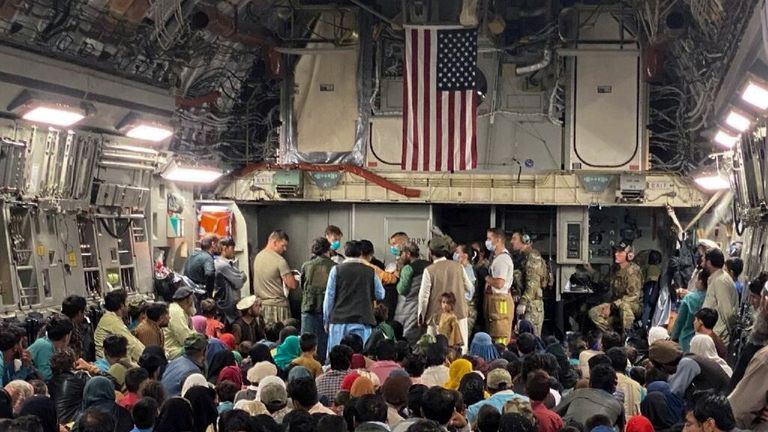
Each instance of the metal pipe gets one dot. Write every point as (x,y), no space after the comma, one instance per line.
(705,209)
(571,52)
(132,149)
(109,216)
(314,51)
(523,70)
(130,157)
(125,165)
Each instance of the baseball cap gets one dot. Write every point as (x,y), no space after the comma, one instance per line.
(499,379)
(440,244)
(273,394)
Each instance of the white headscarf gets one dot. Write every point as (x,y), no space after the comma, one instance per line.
(194,380)
(657,334)
(704,346)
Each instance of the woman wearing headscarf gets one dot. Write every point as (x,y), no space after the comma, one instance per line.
(199,323)
(221,360)
(525,326)
(231,373)
(175,416)
(19,391)
(567,375)
(229,340)
(703,346)
(194,380)
(482,346)
(287,352)
(657,334)
(662,407)
(260,353)
(639,424)
(456,372)
(99,394)
(45,409)
(203,401)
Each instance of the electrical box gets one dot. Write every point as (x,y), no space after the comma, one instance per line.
(289,184)
(573,233)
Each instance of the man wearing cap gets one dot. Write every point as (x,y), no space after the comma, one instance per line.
(408,288)
(349,295)
(688,373)
(191,362)
(272,276)
(626,289)
(250,326)
(444,276)
(500,387)
(531,305)
(274,396)
(229,280)
(179,329)
(200,267)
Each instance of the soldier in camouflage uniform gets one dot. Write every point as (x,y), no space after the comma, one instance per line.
(531,306)
(626,288)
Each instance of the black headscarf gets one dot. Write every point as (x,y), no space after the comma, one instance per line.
(567,375)
(6,405)
(175,416)
(203,401)
(260,353)
(45,409)
(221,360)
(655,407)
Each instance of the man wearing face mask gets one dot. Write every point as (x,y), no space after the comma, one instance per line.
(229,280)
(499,305)
(396,243)
(334,235)
(314,280)
(179,329)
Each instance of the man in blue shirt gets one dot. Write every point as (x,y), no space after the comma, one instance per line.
(348,304)
(500,386)
(191,362)
(57,334)
(17,361)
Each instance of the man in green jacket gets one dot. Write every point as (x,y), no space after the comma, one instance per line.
(111,323)
(314,279)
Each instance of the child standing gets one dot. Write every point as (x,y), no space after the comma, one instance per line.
(449,324)
(213,327)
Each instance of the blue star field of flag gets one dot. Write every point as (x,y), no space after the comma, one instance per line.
(456,59)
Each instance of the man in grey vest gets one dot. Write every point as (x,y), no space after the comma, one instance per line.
(408,287)
(348,305)
(444,276)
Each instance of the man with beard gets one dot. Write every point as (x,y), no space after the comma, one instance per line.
(747,401)
(178,330)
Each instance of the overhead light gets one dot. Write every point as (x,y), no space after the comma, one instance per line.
(36,109)
(756,95)
(190,173)
(136,126)
(738,120)
(712,182)
(754,90)
(726,139)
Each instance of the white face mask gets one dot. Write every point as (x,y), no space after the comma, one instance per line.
(489,245)
(456,257)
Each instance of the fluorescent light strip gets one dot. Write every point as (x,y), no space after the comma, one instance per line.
(724,139)
(713,182)
(53,116)
(149,133)
(755,95)
(738,121)
(191,175)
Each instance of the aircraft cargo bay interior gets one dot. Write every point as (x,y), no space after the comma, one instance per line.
(383,216)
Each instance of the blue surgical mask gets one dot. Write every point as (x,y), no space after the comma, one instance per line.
(489,245)
(394,250)
(335,245)
(456,257)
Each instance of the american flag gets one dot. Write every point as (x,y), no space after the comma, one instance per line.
(440,110)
